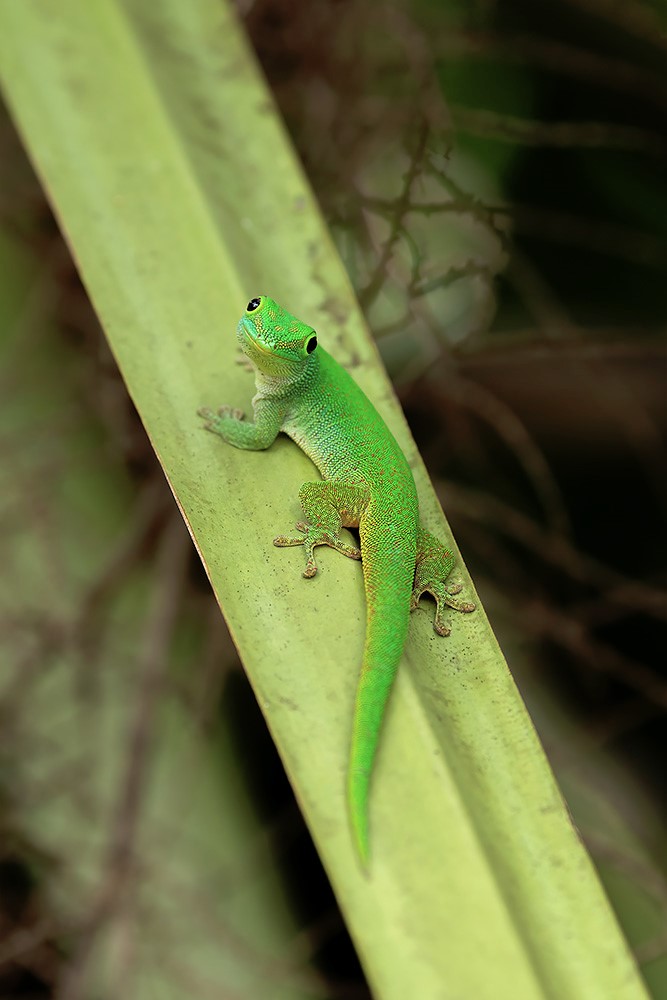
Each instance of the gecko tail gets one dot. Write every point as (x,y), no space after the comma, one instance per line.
(388,585)
(357,793)
(372,694)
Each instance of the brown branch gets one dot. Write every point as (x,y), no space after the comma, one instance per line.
(565,631)
(505,423)
(558,135)
(559,58)
(401,206)
(633,595)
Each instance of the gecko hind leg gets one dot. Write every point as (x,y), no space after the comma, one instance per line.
(433,565)
(329,505)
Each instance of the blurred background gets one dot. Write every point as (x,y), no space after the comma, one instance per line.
(494,177)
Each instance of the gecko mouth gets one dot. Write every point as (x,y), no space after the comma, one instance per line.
(250,337)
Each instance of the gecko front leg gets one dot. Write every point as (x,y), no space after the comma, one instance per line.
(251,435)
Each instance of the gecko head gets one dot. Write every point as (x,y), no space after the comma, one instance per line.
(276,342)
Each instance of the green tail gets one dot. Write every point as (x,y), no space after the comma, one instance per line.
(388,575)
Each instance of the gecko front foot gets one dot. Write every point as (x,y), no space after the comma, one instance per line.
(215,421)
(314,536)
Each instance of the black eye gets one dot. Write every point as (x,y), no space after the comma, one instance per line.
(252,305)
(311,345)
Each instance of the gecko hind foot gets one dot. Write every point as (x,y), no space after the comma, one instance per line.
(312,538)
(444,598)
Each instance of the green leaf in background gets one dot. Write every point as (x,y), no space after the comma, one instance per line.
(180,197)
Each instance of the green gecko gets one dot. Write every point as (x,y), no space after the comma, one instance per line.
(366,484)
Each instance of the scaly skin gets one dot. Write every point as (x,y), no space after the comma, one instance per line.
(366,483)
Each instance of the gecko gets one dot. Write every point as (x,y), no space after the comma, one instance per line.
(303,392)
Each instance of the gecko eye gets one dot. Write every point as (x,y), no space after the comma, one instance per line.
(311,345)
(253,304)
